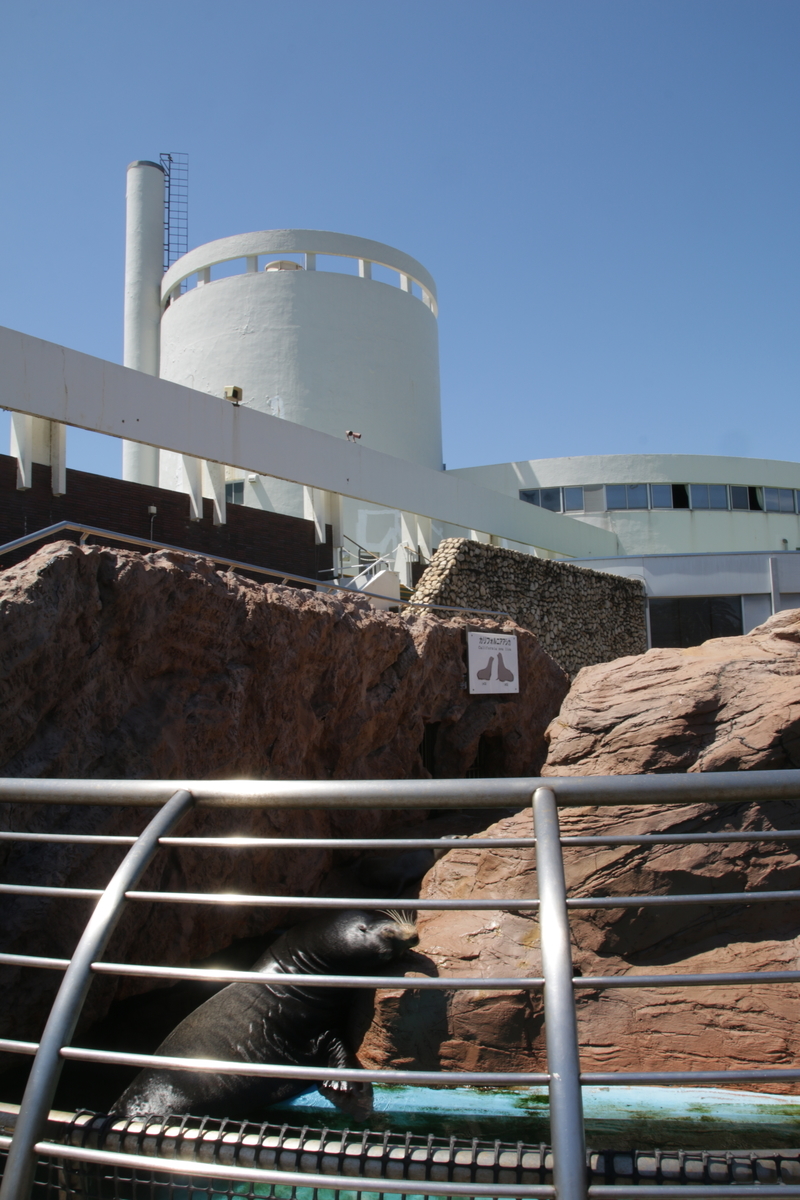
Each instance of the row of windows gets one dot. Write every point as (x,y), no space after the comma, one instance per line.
(614,496)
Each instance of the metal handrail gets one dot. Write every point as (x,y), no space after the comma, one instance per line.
(558,983)
(718,787)
(285,576)
(67,1006)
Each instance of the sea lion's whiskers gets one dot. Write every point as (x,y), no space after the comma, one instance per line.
(405,919)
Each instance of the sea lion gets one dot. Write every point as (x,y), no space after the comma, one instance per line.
(257,1023)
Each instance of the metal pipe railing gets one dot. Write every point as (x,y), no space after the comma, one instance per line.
(558,984)
(560,1021)
(38,1098)
(734,787)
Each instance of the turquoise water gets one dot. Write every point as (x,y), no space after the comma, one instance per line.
(619,1118)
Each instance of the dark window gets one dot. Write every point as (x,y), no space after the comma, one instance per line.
(616,495)
(756,496)
(549,498)
(680,495)
(699,493)
(234,492)
(661,494)
(779,499)
(573,499)
(637,495)
(690,620)
(739,498)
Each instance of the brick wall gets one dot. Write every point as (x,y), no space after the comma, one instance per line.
(266,539)
(580,616)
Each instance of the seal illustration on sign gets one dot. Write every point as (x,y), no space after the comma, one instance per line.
(296,1025)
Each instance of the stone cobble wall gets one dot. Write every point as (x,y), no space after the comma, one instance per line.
(580,616)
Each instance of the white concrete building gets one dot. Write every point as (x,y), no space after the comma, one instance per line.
(297,371)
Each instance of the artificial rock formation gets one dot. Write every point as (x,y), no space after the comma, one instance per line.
(581,616)
(668,1029)
(119,665)
(732,704)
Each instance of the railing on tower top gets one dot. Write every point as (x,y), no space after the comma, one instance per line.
(563,1077)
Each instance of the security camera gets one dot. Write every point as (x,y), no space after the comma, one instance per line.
(234,394)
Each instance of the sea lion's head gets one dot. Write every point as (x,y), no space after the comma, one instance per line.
(352,941)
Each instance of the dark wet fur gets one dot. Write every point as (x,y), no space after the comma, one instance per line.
(257,1023)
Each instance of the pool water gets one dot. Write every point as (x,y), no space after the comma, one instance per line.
(618,1118)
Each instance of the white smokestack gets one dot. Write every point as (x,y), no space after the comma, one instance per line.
(144,266)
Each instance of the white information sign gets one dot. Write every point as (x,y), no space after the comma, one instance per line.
(492,662)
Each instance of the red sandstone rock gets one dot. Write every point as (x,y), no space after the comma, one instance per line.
(626,1030)
(730,704)
(119,665)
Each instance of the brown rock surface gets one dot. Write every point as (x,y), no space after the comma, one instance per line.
(119,665)
(730,704)
(627,1030)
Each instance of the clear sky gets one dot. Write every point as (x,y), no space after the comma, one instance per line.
(606,191)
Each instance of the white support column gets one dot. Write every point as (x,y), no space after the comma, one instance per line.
(22,448)
(193,485)
(364,268)
(405,282)
(252,264)
(214,486)
(58,458)
(311,262)
(425,536)
(475,535)
(144,265)
(204,276)
(316,505)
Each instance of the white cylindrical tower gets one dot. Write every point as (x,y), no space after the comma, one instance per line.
(144,267)
(332,350)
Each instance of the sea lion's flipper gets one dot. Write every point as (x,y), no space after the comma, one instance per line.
(352,1096)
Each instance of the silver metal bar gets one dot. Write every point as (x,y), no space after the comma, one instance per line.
(78,839)
(444,843)
(281,1071)
(14,1047)
(350,1183)
(207,975)
(410,983)
(33,960)
(279,843)
(583,902)
(321,584)
(693,898)
(630,1078)
(36,1103)
(560,1023)
(680,839)
(233,899)
(735,787)
(585,982)
(721,979)
(660,1191)
(25,889)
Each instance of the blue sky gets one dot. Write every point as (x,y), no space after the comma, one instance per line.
(606,191)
